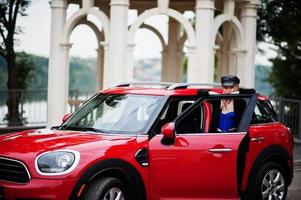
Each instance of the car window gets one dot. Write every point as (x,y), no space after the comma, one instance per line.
(192,122)
(183,105)
(264,113)
(211,117)
(221,120)
(174,108)
(115,113)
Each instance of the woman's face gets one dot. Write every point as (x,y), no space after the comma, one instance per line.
(230,89)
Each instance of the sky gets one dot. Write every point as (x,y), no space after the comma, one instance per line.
(36,36)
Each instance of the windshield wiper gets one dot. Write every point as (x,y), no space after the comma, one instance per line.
(80,128)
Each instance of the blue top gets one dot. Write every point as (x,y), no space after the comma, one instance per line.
(226,121)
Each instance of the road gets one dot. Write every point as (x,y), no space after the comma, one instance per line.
(294,191)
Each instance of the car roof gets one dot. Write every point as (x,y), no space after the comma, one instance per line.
(167,89)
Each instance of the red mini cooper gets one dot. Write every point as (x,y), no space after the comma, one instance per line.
(152,141)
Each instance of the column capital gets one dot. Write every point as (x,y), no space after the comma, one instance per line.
(205,4)
(99,49)
(216,49)
(120,3)
(58,4)
(66,46)
(165,49)
(130,45)
(180,53)
(191,49)
(249,8)
(238,52)
(105,45)
(249,3)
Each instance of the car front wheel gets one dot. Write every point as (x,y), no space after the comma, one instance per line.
(105,189)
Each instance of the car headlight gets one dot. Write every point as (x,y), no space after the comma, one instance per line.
(57,162)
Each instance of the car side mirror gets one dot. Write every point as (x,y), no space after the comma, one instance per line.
(168,131)
(66,117)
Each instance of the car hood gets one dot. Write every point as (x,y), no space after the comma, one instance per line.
(20,145)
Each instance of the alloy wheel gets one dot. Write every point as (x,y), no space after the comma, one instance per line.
(114,194)
(273,185)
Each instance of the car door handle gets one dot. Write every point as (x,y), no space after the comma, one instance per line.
(257,139)
(223,150)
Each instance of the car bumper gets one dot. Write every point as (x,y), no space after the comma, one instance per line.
(41,189)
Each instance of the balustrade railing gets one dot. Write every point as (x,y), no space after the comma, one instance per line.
(289,113)
(33,104)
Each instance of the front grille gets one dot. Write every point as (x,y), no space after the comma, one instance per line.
(13,171)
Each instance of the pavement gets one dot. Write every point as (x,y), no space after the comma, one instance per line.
(297,152)
(294,190)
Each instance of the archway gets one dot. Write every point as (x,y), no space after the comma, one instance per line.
(168,74)
(81,17)
(229,48)
(148,54)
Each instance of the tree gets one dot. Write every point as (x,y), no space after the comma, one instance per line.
(279,24)
(9,12)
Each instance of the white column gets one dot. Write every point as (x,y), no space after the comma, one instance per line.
(130,62)
(229,7)
(57,101)
(232,62)
(118,41)
(99,68)
(218,68)
(204,70)
(226,65)
(163,5)
(164,63)
(179,68)
(87,3)
(248,21)
(106,68)
(64,71)
(172,67)
(194,70)
(240,63)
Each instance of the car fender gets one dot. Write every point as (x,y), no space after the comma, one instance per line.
(106,167)
(275,153)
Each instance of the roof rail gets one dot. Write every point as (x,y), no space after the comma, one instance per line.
(146,84)
(186,85)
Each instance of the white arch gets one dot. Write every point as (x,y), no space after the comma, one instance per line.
(155,31)
(99,34)
(77,16)
(171,13)
(238,29)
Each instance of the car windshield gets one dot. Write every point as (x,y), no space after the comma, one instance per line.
(114,113)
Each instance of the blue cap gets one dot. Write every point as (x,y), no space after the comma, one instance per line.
(229,80)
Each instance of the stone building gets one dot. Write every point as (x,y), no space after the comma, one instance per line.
(220,40)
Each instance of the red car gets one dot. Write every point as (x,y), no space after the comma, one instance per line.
(152,141)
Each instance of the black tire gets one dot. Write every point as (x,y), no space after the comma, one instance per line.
(256,187)
(99,189)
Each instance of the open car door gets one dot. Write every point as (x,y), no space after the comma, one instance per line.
(198,163)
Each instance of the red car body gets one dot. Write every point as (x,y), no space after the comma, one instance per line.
(190,167)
